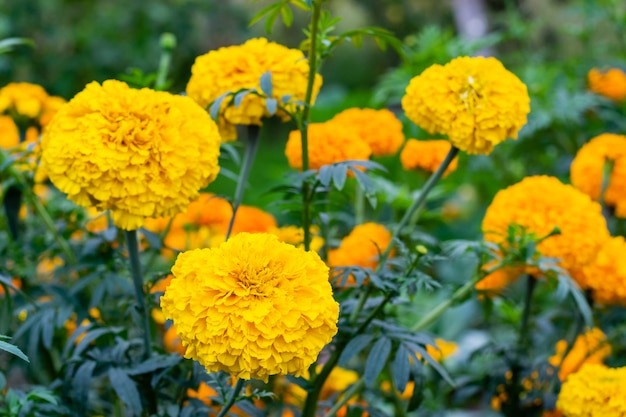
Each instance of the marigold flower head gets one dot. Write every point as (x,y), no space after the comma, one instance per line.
(475,101)
(361,247)
(328,143)
(23,100)
(233,68)
(426,155)
(589,347)
(442,349)
(540,204)
(295,236)
(587,170)
(379,128)
(253,307)
(9,134)
(138,153)
(606,274)
(594,391)
(253,220)
(610,83)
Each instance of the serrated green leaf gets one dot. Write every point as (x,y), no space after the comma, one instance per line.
(376,361)
(263,12)
(14,350)
(273,15)
(126,390)
(436,365)
(287,15)
(354,347)
(400,369)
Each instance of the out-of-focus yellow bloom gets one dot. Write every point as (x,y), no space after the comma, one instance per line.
(328,143)
(234,68)
(23,100)
(380,129)
(295,235)
(138,153)
(542,203)
(610,83)
(589,347)
(253,306)
(361,247)
(587,170)
(442,349)
(475,101)
(605,276)
(426,155)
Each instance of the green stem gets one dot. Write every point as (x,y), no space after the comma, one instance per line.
(168,43)
(304,122)
(357,310)
(248,159)
(607,170)
(350,393)
(135,268)
(359,205)
(233,398)
(458,295)
(421,199)
(39,208)
(531,283)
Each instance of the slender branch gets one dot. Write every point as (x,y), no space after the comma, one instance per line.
(254,132)
(233,398)
(350,393)
(362,298)
(168,43)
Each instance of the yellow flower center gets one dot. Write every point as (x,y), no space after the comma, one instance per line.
(470,94)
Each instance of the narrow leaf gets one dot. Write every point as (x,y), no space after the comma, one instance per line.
(214,110)
(266,83)
(400,369)
(271,105)
(239,97)
(287,15)
(14,350)
(354,347)
(126,390)
(440,370)
(376,361)
(340,174)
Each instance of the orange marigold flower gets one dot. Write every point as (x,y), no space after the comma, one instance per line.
(610,83)
(209,210)
(589,347)
(497,280)
(171,341)
(606,274)
(253,307)
(379,128)
(594,391)
(475,101)
(234,68)
(253,220)
(540,204)
(361,247)
(9,134)
(139,153)
(426,155)
(587,170)
(328,143)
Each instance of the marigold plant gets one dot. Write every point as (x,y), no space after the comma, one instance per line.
(542,203)
(587,170)
(121,149)
(426,155)
(475,101)
(233,68)
(610,83)
(253,306)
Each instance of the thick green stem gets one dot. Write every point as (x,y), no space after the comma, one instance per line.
(350,393)
(421,199)
(233,398)
(531,283)
(248,159)
(304,122)
(33,200)
(135,269)
(168,43)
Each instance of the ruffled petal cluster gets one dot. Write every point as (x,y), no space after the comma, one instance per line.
(380,129)
(233,68)
(426,155)
(606,275)
(594,391)
(328,143)
(610,83)
(475,101)
(26,101)
(587,170)
(295,235)
(540,204)
(589,347)
(253,306)
(361,247)
(138,153)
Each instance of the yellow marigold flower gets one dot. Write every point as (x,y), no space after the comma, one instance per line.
(589,347)
(442,349)
(476,102)
(379,128)
(361,247)
(594,391)
(138,153)
(233,68)
(253,306)
(23,100)
(587,170)
(328,143)
(606,274)
(295,236)
(338,381)
(50,108)
(426,155)
(9,134)
(540,204)
(386,386)
(610,83)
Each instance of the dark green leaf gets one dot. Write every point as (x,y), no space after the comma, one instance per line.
(8,44)
(271,105)
(81,383)
(354,347)
(376,360)
(400,369)
(271,18)
(214,110)
(126,390)
(154,363)
(340,174)
(325,174)
(14,350)
(440,370)
(266,82)
(263,12)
